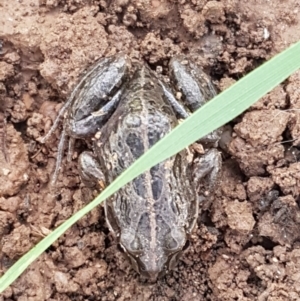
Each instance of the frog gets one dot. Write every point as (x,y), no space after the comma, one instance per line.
(125,113)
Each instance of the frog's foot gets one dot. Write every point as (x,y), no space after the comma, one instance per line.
(207,170)
(90,170)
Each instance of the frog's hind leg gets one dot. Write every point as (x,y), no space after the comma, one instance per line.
(196,89)
(90,125)
(194,84)
(71,99)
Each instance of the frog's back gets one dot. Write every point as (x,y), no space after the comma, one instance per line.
(149,214)
(143,116)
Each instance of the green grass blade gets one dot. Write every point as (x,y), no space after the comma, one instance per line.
(212,115)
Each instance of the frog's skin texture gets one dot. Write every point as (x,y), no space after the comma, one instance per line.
(153,216)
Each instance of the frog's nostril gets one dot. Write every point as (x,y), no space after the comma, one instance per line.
(153,275)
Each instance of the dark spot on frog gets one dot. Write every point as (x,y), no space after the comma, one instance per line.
(156,182)
(139,185)
(157,185)
(135,144)
(144,223)
(153,136)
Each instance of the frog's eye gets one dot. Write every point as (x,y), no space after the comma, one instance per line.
(175,240)
(132,257)
(171,244)
(175,256)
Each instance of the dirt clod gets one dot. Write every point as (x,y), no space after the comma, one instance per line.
(6,71)
(240,209)
(275,121)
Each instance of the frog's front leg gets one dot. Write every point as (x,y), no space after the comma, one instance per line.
(90,170)
(206,171)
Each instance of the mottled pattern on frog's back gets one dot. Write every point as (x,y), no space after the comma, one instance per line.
(149,215)
(142,118)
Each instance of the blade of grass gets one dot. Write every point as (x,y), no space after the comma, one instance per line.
(212,115)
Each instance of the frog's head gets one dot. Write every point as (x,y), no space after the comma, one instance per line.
(154,253)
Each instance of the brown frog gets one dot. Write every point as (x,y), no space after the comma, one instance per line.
(153,216)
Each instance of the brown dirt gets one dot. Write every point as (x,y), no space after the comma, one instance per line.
(247,243)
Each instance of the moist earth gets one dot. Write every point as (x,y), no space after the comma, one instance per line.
(246,245)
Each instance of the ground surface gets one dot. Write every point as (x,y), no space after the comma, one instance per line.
(247,243)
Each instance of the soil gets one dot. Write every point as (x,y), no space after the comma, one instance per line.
(247,242)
